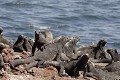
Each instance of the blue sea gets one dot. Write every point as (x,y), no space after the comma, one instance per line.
(92,20)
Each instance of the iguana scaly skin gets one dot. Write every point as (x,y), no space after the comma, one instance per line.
(23,44)
(27,45)
(96,52)
(40,41)
(114,54)
(49,53)
(72,67)
(100,74)
(3,40)
(18,45)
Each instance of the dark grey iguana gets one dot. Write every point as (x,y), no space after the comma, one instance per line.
(49,53)
(3,40)
(99,50)
(70,47)
(114,54)
(27,45)
(100,74)
(39,42)
(114,66)
(23,44)
(69,50)
(96,52)
(18,45)
(72,67)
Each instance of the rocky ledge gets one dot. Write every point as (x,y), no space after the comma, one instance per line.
(49,58)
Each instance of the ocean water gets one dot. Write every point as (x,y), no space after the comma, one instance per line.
(92,20)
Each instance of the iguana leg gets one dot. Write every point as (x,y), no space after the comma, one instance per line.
(33,48)
(59,67)
(33,64)
(61,71)
(62,57)
(52,63)
(41,64)
(17,62)
(101,60)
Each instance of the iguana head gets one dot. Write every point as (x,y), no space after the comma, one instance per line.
(40,38)
(20,39)
(113,53)
(61,39)
(101,43)
(85,57)
(37,35)
(74,40)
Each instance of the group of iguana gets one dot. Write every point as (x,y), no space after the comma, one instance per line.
(62,53)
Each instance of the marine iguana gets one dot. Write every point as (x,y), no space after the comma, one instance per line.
(114,57)
(18,45)
(114,54)
(3,40)
(49,53)
(69,50)
(72,67)
(48,35)
(23,44)
(114,66)
(70,47)
(100,74)
(27,45)
(99,50)
(96,52)
(40,41)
